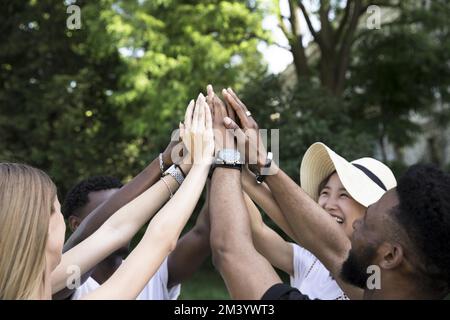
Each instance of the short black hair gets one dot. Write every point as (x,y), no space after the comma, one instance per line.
(77,197)
(424,214)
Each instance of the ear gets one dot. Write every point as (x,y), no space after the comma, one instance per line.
(391,255)
(74,222)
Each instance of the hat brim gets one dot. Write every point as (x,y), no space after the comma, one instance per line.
(320,161)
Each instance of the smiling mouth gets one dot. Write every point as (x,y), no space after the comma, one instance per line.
(338,219)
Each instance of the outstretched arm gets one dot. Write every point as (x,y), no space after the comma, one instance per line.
(116,232)
(191,250)
(158,241)
(247,274)
(305,217)
(269,243)
(261,194)
(163,231)
(128,192)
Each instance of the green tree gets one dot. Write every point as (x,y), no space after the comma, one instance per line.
(304,114)
(328,56)
(103,99)
(402,71)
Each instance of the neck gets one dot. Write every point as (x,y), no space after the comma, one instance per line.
(396,287)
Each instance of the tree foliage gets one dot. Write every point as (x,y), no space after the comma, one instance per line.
(104,99)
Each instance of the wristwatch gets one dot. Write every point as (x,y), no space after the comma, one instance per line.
(228,158)
(176,173)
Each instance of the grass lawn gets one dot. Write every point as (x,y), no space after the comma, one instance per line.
(206,284)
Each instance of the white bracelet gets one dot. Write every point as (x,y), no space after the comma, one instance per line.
(176,173)
(161,164)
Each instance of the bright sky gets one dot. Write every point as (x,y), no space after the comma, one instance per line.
(277,57)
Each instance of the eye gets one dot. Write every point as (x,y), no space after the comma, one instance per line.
(323,193)
(343,195)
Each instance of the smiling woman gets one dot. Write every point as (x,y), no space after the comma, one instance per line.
(343,189)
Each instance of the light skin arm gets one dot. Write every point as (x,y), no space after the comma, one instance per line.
(103,212)
(305,217)
(146,178)
(116,232)
(273,247)
(191,250)
(158,241)
(163,231)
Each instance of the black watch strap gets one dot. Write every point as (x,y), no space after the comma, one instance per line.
(262,175)
(237,166)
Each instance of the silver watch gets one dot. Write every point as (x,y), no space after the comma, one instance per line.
(228,157)
(176,173)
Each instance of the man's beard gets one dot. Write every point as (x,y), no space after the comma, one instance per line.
(354,269)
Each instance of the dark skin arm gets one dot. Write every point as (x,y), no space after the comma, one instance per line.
(127,193)
(191,250)
(247,274)
(305,217)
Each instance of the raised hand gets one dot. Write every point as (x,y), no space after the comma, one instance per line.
(174,151)
(197,132)
(223,138)
(248,136)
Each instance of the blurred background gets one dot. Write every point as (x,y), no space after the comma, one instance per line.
(97,90)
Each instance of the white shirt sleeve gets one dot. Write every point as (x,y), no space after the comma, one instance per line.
(302,262)
(87,287)
(156,288)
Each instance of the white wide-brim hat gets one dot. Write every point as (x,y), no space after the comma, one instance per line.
(365,179)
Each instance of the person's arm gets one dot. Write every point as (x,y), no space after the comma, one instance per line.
(269,243)
(146,178)
(116,232)
(305,217)
(158,241)
(163,231)
(261,194)
(247,274)
(191,250)
(128,192)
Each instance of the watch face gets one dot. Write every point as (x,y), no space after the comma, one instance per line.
(229,156)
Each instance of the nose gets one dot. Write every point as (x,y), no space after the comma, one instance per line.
(330,204)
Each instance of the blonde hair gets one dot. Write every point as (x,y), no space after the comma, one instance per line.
(27,195)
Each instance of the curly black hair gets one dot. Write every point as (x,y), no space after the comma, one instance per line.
(424,213)
(77,197)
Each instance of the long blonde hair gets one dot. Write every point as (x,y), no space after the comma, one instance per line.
(27,196)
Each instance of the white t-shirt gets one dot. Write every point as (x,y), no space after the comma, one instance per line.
(156,288)
(312,278)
